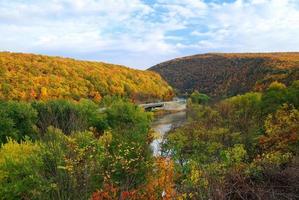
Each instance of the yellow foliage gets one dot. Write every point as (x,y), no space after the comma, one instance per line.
(277,85)
(17,152)
(28,77)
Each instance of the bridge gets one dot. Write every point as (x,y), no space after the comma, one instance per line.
(179,104)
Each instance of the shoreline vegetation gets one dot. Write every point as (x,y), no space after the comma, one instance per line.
(161,112)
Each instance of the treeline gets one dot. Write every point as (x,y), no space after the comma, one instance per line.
(224,75)
(63,149)
(243,147)
(31,77)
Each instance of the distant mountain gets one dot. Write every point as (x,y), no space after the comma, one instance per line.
(29,77)
(220,75)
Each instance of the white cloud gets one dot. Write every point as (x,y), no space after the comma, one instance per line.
(140,34)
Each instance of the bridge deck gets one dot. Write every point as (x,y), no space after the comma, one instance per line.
(160,104)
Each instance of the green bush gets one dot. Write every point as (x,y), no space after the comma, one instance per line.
(17,120)
(69,116)
(129,152)
(72,164)
(199,98)
(21,171)
(7,129)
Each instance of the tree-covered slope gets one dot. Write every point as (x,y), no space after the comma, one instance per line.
(221,75)
(29,77)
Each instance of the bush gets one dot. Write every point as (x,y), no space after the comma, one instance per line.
(199,98)
(128,118)
(20,171)
(278,94)
(69,116)
(72,164)
(129,152)
(7,129)
(17,120)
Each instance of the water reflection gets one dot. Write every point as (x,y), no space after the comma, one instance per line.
(164,124)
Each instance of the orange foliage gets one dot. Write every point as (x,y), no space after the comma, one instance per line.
(219,75)
(160,185)
(29,77)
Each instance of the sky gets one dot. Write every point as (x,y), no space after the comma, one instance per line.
(142,33)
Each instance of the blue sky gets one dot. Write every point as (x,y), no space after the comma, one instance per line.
(141,33)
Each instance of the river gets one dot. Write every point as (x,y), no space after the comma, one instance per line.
(164,124)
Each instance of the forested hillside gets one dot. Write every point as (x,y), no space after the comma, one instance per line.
(220,75)
(30,77)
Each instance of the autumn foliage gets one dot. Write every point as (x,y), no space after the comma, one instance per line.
(224,75)
(160,185)
(242,147)
(36,77)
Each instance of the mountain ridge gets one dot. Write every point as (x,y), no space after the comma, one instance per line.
(220,74)
(25,76)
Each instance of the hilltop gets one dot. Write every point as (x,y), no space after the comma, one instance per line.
(29,77)
(228,74)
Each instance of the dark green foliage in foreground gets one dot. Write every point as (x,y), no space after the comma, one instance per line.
(68,116)
(78,149)
(17,120)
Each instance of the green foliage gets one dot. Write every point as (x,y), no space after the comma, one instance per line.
(6,127)
(20,171)
(234,155)
(199,98)
(278,94)
(204,114)
(69,161)
(273,98)
(69,116)
(293,94)
(128,118)
(230,149)
(17,120)
(242,114)
(128,153)
(233,149)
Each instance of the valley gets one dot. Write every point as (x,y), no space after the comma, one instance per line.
(88,130)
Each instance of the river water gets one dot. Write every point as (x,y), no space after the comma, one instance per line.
(164,124)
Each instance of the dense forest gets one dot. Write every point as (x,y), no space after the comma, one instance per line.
(35,77)
(224,75)
(242,147)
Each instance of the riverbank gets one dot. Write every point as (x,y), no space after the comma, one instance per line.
(161,113)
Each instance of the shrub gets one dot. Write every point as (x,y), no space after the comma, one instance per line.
(20,171)
(199,98)
(18,120)
(72,164)
(69,116)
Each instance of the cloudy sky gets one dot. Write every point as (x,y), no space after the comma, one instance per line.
(141,33)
